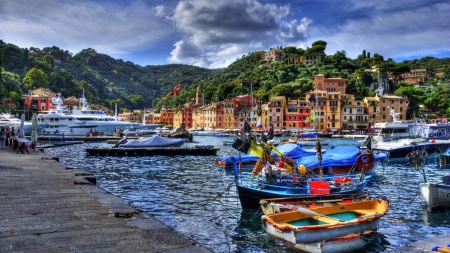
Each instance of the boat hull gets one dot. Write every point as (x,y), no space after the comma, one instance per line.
(325,224)
(436,194)
(320,235)
(351,243)
(250,195)
(402,151)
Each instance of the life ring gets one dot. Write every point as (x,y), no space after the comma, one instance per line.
(365,161)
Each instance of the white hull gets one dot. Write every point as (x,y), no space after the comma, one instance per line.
(202,133)
(435,194)
(343,245)
(320,235)
(312,142)
(80,122)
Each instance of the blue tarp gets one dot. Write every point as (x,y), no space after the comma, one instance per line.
(289,149)
(338,156)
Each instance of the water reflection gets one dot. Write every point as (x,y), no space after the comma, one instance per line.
(199,200)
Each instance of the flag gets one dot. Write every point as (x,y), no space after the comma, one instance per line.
(174,92)
(311,117)
(270,133)
(255,149)
(246,127)
(259,124)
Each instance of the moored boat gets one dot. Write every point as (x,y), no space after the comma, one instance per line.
(152,142)
(436,194)
(291,150)
(278,205)
(305,228)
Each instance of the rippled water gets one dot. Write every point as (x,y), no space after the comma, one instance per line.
(191,195)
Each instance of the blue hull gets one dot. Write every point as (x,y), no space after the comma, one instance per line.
(251,194)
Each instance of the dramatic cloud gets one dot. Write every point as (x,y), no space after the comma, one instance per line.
(214,34)
(75,25)
(291,32)
(227,28)
(393,34)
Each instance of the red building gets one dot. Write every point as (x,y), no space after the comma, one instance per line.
(39,99)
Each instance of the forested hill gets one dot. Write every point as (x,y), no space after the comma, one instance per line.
(104,79)
(108,81)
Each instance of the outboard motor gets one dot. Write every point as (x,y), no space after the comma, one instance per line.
(123,141)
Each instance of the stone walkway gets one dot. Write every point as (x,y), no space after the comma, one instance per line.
(46,207)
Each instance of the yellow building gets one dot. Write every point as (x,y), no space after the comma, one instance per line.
(333,111)
(372,105)
(177,118)
(354,114)
(210,115)
(389,102)
(318,107)
(198,117)
(228,114)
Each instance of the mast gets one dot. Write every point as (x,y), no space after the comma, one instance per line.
(115,112)
(143,123)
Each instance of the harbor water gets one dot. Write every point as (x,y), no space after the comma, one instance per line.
(199,200)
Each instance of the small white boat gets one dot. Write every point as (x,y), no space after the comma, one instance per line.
(436,194)
(202,132)
(309,229)
(312,141)
(153,142)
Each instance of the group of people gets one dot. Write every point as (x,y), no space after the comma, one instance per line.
(5,133)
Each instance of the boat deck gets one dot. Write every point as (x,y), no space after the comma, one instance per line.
(152,151)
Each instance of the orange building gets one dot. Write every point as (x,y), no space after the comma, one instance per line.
(39,99)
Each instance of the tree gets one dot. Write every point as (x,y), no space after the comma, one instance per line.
(319,43)
(290,50)
(393,70)
(35,78)
(25,58)
(415,97)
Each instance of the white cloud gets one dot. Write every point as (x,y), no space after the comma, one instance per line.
(225,30)
(419,31)
(291,32)
(75,25)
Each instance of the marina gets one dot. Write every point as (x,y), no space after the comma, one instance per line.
(155,185)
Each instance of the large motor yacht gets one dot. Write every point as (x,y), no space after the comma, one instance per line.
(398,138)
(79,122)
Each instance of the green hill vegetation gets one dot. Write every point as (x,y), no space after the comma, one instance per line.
(108,81)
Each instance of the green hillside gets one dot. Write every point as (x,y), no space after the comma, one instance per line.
(108,81)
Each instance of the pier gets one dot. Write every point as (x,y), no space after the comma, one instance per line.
(47,207)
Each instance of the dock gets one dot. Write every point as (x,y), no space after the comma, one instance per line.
(152,151)
(47,207)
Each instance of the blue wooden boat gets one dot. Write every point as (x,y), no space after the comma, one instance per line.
(291,150)
(276,184)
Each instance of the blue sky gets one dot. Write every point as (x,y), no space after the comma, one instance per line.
(213,34)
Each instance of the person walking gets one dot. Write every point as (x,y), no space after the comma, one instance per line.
(3,137)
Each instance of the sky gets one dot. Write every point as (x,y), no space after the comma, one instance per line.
(215,33)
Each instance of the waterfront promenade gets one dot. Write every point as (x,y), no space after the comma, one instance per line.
(46,207)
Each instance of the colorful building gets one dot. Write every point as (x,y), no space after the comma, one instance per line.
(277,106)
(39,99)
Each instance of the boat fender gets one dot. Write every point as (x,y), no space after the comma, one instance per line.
(365,161)
(302,169)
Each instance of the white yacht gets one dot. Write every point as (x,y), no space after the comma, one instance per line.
(398,138)
(79,122)
(11,121)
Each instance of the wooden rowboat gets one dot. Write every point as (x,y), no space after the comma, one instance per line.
(305,227)
(278,205)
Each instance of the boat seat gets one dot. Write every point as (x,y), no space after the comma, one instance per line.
(362,212)
(326,220)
